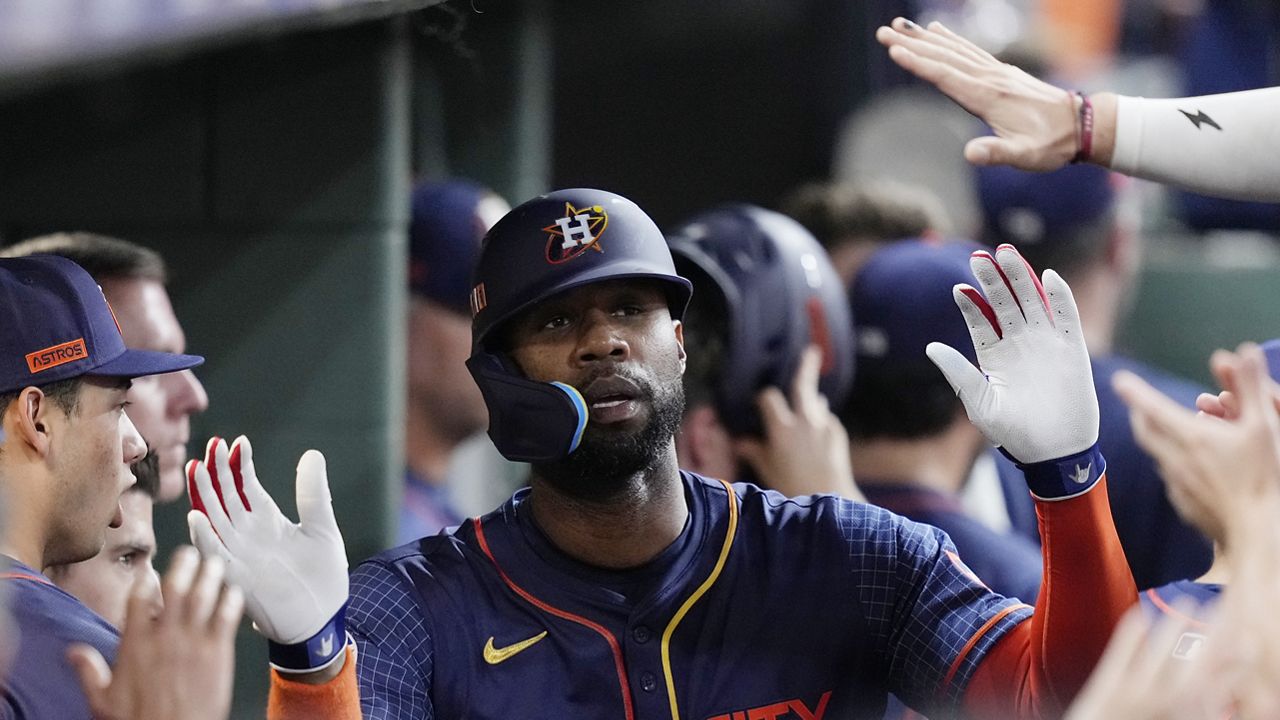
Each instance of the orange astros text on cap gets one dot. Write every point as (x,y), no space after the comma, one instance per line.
(52,357)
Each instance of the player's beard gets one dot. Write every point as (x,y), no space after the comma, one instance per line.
(607,461)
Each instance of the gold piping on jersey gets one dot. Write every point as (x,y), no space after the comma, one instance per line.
(697,595)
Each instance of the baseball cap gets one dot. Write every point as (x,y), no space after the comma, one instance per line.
(56,324)
(1026,208)
(444,239)
(901,301)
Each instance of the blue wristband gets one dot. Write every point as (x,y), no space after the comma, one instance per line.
(315,653)
(1064,477)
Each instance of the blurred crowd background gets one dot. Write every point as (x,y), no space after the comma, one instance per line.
(268,149)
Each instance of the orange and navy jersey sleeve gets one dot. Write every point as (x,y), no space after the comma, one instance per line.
(337,699)
(1036,669)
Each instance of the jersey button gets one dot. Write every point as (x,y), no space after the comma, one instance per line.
(648,682)
(641,634)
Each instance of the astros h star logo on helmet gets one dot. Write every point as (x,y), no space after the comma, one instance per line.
(575,233)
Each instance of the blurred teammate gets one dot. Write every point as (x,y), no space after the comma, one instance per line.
(765,293)
(133,279)
(1222,466)
(124,567)
(64,459)
(444,407)
(913,447)
(1074,220)
(1221,145)
(853,220)
(618,586)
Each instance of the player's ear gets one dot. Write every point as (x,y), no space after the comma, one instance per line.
(679,330)
(29,418)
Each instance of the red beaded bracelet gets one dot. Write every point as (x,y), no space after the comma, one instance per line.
(1084,130)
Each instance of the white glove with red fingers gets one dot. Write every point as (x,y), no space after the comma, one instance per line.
(1034,396)
(294,575)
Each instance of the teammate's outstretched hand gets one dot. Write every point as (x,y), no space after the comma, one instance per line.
(177,664)
(805,449)
(1225,470)
(1035,122)
(1034,395)
(294,575)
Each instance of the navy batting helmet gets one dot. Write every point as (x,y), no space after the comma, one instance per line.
(553,243)
(781,294)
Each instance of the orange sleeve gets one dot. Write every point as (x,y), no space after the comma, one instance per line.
(338,699)
(1038,667)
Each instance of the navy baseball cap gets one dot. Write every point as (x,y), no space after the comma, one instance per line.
(57,325)
(1027,208)
(902,301)
(444,240)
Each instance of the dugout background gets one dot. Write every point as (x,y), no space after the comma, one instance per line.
(271,164)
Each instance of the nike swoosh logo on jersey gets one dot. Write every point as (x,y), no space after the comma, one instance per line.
(493,655)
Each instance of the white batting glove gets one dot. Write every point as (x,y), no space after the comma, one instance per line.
(1034,395)
(294,575)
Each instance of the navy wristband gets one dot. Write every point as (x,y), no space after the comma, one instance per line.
(314,653)
(1063,477)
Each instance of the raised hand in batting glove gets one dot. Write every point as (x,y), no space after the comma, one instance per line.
(294,575)
(1033,396)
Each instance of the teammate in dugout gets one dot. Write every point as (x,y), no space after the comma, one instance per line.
(619,586)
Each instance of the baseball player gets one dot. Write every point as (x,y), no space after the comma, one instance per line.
(64,462)
(618,586)
(766,293)
(1221,145)
(444,408)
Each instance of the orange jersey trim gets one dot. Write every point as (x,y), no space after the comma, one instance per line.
(973,640)
(25,576)
(614,646)
(1168,609)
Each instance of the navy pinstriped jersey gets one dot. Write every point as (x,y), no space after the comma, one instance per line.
(1007,562)
(41,684)
(764,607)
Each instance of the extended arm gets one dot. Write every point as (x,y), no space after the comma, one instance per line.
(1034,397)
(1218,145)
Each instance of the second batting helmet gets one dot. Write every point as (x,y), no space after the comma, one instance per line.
(546,246)
(781,294)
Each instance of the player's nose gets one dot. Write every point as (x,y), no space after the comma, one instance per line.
(600,339)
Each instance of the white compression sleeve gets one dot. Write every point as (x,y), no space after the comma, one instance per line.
(1225,145)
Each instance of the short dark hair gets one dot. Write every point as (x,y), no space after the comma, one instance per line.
(147,473)
(837,213)
(903,401)
(100,255)
(64,393)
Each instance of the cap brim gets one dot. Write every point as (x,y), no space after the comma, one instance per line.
(137,363)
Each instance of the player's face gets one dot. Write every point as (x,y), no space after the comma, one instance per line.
(616,342)
(161,406)
(105,581)
(439,344)
(89,456)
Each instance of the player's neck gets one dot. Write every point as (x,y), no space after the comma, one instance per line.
(628,529)
(1220,571)
(426,452)
(941,462)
